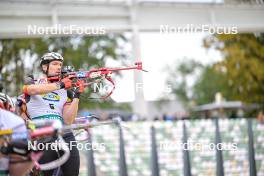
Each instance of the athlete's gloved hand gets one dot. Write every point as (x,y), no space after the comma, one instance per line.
(78,89)
(65,83)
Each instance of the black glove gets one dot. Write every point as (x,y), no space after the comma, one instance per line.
(78,89)
(19,147)
(76,93)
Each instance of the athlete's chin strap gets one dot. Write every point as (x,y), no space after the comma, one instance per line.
(47,71)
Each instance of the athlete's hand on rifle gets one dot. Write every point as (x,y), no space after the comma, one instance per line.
(79,88)
(65,83)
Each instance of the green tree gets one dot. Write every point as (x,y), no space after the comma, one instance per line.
(178,79)
(243,64)
(13,53)
(208,84)
(239,76)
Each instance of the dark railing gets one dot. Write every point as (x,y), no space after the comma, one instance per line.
(187,167)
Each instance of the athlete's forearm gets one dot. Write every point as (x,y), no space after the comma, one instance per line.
(36,89)
(70,111)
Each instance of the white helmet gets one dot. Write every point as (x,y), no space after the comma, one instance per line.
(52,56)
